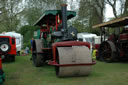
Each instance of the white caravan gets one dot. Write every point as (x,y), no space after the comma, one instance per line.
(19,39)
(88,37)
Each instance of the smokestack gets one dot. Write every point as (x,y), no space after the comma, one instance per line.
(64,16)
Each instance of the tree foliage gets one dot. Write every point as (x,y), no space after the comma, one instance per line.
(27,32)
(90,12)
(119,7)
(9,17)
(35,8)
(125,13)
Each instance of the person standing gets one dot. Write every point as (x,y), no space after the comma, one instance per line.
(31,44)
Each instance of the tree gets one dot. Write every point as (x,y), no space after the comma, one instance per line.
(119,7)
(97,12)
(112,3)
(90,12)
(125,13)
(10,11)
(27,31)
(35,8)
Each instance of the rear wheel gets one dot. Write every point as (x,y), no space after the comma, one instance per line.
(37,56)
(4,47)
(13,58)
(107,51)
(57,67)
(38,59)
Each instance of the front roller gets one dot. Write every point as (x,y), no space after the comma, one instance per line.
(73,61)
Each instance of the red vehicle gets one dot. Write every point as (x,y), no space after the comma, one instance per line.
(7,48)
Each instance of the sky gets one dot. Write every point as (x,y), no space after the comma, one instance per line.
(108,12)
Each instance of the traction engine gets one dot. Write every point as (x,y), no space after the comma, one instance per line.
(57,44)
(115,48)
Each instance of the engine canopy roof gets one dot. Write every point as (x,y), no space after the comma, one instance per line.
(113,23)
(49,16)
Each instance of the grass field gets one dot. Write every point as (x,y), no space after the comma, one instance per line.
(22,72)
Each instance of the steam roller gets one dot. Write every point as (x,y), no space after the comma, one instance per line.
(57,44)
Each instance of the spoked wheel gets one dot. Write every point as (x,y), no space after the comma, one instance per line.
(107,51)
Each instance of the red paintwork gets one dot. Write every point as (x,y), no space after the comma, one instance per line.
(97,46)
(80,64)
(46,48)
(58,23)
(47,29)
(122,53)
(123,36)
(67,44)
(44,30)
(111,38)
(13,46)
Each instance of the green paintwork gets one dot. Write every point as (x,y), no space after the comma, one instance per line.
(49,15)
(37,34)
(45,43)
(55,12)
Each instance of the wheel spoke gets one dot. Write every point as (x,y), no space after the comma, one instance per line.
(105,51)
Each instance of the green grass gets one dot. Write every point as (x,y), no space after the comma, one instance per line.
(22,72)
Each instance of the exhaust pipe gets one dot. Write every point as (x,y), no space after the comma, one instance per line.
(64,16)
(64,22)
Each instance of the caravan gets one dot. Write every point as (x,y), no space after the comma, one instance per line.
(93,39)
